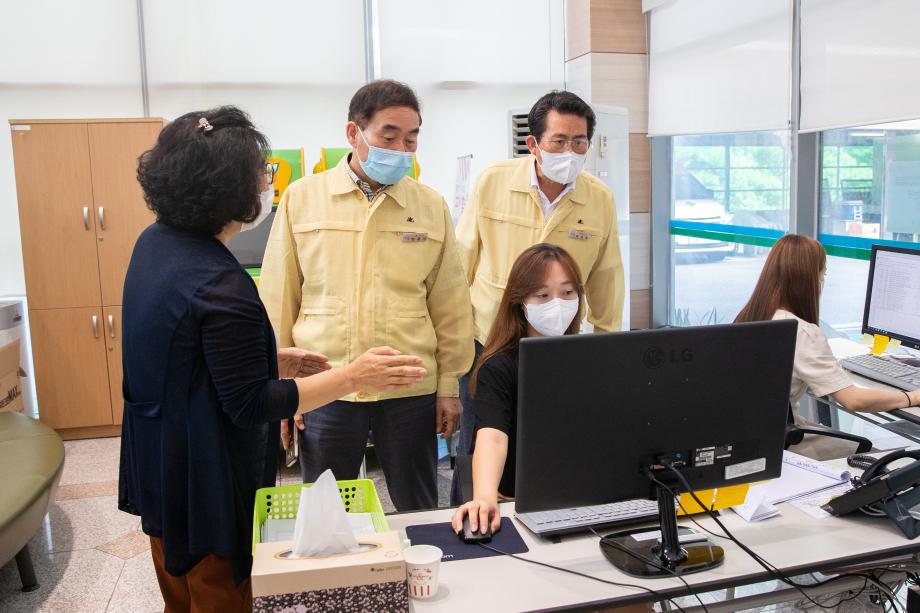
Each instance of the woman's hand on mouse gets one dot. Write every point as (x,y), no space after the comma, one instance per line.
(482,513)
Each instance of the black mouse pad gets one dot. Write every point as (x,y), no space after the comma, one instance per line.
(443,536)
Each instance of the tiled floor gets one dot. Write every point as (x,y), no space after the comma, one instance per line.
(91,557)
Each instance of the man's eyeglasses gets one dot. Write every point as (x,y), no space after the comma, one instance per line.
(558,145)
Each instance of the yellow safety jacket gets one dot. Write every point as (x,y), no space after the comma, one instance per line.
(342,275)
(503,218)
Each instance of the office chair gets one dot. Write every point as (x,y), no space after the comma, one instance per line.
(795,434)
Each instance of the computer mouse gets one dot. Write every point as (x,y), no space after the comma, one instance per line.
(483,535)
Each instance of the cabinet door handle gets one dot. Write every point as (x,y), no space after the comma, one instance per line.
(111,323)
(86,217)
(102,217)
(95,327)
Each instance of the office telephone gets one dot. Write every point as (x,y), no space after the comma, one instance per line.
(881,492)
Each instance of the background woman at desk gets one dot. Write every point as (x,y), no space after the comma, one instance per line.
(790,287)
(543,297)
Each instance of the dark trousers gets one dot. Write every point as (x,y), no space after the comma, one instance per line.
(335,436)
(467,424)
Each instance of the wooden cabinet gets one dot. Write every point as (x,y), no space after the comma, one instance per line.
(71,373)
(80,212)
(55,190)
(112,318)
(118,203)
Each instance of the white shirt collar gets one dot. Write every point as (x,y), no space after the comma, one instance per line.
(545,204)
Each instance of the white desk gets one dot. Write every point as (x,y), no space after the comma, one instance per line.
(793,541)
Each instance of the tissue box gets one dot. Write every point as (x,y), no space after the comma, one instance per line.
(371,580)
(10,386)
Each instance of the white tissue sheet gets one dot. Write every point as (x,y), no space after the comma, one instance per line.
(322,527)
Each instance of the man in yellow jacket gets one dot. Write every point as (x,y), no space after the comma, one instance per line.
(542,198)
(362,256)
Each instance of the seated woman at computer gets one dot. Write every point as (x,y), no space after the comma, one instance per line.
(543,297)
(790,287)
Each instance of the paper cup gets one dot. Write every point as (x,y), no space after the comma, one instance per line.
(422,565)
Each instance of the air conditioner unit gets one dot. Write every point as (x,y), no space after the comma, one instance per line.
(608,160)
(517,120)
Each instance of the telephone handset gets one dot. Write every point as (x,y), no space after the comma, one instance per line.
(880,492)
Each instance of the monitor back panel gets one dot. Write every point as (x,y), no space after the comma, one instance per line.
(593,409)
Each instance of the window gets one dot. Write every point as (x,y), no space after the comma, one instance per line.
(729,204)
(870,193)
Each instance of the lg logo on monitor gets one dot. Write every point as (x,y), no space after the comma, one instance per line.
(655,357)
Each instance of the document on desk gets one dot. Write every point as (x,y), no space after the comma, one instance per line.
(812,504)
(801,477)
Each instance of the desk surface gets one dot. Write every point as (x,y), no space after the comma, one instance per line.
(793,541)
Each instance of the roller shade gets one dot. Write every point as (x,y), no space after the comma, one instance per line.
(720,66)
(860,62)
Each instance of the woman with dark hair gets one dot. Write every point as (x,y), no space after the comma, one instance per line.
(201,365)
(790,287)
(543,297)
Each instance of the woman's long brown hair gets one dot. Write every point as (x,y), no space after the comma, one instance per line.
(790,280)
(528,274)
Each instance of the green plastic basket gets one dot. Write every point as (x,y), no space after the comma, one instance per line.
(358,495)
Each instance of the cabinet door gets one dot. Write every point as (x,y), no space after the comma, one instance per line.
(55,215)
(113,345)
(71,375)
(119,208)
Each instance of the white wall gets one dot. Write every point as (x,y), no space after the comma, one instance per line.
(293,68)
(470,63)
(75,64)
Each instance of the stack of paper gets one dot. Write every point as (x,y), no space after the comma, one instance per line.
(801,478)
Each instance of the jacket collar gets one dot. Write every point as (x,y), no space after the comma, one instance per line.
(342,183)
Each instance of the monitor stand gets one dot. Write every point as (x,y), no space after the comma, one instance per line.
(629,553)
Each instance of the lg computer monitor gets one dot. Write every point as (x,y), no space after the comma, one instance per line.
(893,295)
(597,411)
(249,247)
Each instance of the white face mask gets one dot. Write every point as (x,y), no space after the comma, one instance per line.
(266,199)
(562,167)
(551,318)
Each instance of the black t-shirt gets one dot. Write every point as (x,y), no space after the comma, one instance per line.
(495,406)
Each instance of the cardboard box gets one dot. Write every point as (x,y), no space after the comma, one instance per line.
(370,580)
(10,385)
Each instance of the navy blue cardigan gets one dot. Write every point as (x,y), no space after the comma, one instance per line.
(200,388)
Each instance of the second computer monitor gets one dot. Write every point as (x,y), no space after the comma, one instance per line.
(893,295)
(595,410)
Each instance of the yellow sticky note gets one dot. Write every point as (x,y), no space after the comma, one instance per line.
(879,343)
(717,499)
(731,496)
(688,505)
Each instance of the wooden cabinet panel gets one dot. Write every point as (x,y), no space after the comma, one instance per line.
(640,174)
(71,373)
(119,208)
(55,215)
(621,79)
(640,311)
(113,354)
(617,26)
(577,28)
